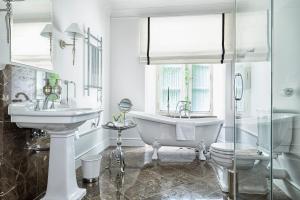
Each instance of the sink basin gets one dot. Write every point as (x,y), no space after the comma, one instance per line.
(61,119)
(60,124)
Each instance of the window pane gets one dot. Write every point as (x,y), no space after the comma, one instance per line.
(170,77)
(201,88)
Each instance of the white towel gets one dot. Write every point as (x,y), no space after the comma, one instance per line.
(185,131)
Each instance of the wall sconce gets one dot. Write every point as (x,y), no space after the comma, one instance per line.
(47,33)
(74,32)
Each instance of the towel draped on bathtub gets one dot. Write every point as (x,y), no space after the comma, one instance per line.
(185,131)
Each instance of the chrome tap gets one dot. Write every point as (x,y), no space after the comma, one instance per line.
(184,106)
(46,101)
(22,94)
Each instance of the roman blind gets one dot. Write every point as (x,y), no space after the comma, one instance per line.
(185,39)
(252,36)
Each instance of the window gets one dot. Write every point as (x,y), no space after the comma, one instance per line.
(189,82)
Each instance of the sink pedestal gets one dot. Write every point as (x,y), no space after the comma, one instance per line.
(61,125)
(62,184)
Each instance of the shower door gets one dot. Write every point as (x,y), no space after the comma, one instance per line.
(286,99)
(252,88)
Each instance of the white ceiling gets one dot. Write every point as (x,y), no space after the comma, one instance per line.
(127,8)
(123,4)
(167,7)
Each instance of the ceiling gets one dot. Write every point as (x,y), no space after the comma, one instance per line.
(128,8)
(167,7)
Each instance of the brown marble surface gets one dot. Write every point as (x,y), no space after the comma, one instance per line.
(178,175)
(23,175)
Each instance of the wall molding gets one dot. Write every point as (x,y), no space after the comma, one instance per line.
(96,149)
(132,142)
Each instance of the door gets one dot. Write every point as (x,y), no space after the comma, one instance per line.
(252,87)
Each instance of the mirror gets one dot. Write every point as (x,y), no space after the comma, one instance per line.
(125,105)
(31,33)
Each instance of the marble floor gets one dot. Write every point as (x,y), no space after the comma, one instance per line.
(178,175)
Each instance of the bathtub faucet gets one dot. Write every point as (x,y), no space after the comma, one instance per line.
(184,107)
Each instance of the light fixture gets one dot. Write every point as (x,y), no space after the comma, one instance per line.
(47,33)
(74,32)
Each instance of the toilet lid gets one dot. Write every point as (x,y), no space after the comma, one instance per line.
(221,155)
(223,147)
(231,153)
(226,150)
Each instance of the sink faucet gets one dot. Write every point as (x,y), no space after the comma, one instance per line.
(22,94)
(46,101)
(184,106)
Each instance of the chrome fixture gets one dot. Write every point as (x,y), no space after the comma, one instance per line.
(287,92)
(184,106)
(18,99)
(67,83)
(74,32)
(47,33)
(8,17)
(125,106)
(37,105)
(22,94)
(45,105)
(93,68)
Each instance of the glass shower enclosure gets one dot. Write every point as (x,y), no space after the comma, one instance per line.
(267,99)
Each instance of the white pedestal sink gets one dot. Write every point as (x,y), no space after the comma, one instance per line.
(61,125)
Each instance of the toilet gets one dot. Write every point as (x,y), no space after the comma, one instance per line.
(252,162)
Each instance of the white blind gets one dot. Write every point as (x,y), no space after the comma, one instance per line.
(198,39)
(252,36)
(185,39)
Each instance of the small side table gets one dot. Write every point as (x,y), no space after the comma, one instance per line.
(118,154)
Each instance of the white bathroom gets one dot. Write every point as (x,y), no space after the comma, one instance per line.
(152,99)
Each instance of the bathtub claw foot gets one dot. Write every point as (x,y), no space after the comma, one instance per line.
(201,151)
(156,146)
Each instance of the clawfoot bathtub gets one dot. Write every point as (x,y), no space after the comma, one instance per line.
(157,131)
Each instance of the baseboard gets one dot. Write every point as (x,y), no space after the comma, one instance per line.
(128,142)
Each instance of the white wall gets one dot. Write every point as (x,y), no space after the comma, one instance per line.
(133,80)
(96,15)
(128,75)
(286,73)
(286,67)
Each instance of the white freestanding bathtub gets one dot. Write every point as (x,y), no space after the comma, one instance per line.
(158,130)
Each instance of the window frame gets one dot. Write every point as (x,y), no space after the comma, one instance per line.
(158,89)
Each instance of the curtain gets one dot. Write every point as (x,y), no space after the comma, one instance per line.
(170,79)
(201,86)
